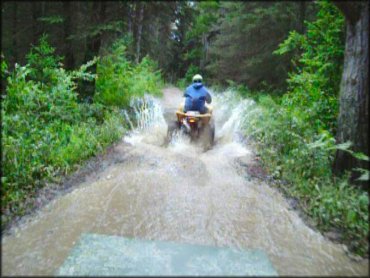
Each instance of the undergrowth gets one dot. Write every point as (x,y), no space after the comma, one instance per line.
(294,132)
(47,131)
(293,151)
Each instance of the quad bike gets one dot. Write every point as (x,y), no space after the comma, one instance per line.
(199,127)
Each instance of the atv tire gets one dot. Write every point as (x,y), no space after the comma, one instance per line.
(173,126)
(207,136)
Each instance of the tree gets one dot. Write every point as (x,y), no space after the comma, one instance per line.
(313,85)
(249,33)
(156,33)
(139,32)
(353,119)
(68,53)
(15,31)
(98,17)
(184,17)
(200,35)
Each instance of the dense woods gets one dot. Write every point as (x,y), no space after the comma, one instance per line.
(181,36)
(70,68)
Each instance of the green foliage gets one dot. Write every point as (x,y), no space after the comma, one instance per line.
(294,133)
(358,155)
(45,131)
(4,66)
(42,60)
(188,79)
(314,85)
(53,19)
(247,34)
(192,70)
(87,139)
(103,28)
(294,151)
(119,79)
(206,15)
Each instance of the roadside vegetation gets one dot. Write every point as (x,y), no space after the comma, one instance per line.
(47,130)
(294,133)
(302,157)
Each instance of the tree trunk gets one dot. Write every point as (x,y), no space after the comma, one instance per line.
(98,17)
(203,58)
(139,33)
(93,46)
(43,13)
(35,16)
(68,53)
(14,33)
(353,120)
(129,18)
(302,16)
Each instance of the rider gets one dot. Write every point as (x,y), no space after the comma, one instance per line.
(196,96)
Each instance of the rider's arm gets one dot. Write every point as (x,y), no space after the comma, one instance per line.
(208,97)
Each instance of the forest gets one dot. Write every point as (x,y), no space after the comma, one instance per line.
(70,69)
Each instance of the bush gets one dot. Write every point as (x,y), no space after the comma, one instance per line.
(188,78)
(42,60)
(314,85)
(119,79)
(293,150)
(45,131)
(294,133)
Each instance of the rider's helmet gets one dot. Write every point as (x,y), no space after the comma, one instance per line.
(197,78)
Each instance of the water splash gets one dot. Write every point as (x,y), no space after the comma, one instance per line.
(127,118)
(151,127)
(148,112)
(229,114)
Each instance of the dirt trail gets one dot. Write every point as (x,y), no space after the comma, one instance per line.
(177,193)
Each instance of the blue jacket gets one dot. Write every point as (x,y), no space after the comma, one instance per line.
(195,97)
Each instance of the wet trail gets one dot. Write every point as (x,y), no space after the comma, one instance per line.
(177,193)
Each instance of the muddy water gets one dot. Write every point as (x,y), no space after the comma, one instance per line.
(177,193)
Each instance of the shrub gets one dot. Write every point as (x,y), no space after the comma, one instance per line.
(188,78)
(45,131)
(294,133)
(293,150)
(314,85)
(42,60)
(119,79)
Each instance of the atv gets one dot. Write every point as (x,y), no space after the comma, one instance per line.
(199,127)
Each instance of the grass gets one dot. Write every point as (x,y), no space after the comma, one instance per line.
(295,152)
